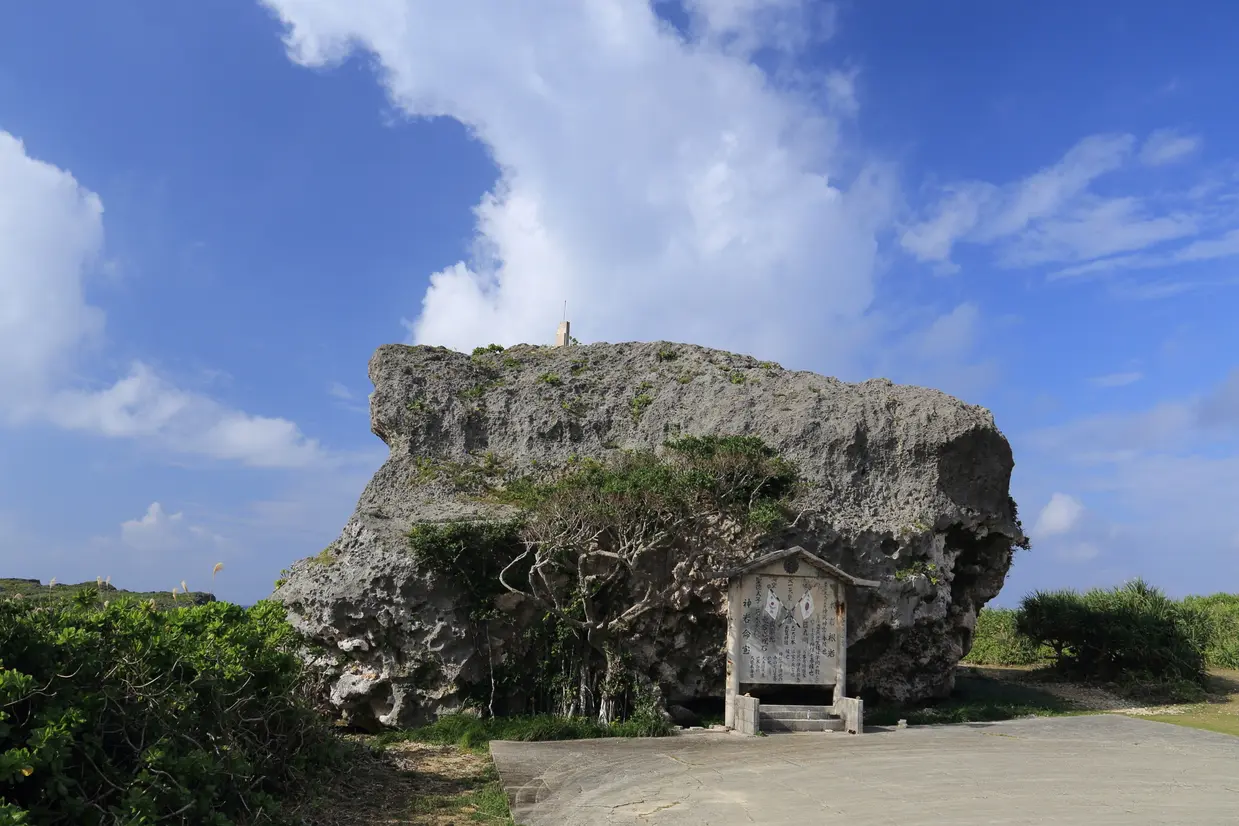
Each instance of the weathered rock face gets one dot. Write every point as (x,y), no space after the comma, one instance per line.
(904,485)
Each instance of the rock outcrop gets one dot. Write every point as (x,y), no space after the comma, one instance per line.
(905,485)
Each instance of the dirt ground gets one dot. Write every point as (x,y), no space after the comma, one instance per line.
(1218,712)
(415,784)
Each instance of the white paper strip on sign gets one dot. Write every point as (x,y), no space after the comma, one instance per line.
(772,605)
(806,605)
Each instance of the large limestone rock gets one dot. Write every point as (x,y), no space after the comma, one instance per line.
(906,485)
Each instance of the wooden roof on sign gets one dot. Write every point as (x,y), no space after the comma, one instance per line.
(804,556)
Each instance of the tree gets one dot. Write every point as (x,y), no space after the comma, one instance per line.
(608,543)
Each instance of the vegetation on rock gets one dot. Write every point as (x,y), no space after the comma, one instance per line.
(601,544)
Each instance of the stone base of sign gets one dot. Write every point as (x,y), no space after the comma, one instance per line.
(748,715)
(852,710)
(776,717)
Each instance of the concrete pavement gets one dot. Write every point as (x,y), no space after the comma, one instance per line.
(1096,770)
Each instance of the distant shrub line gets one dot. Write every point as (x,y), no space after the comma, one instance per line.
(1126,633)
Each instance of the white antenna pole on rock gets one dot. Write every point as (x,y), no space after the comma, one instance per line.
(563,336)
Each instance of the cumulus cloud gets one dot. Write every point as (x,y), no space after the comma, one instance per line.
(1060,515)
(665,187)
(51,235)
(160,531)
(51,231)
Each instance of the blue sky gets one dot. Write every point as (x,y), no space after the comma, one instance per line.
(212,213)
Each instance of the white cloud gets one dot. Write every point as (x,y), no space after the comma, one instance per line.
(1220,407)
(983,212)
(665,189)
(51,232)
(1167,476)
(1118,379)
(163,532)
(841,96)
(51,235)
(743,26)
(1207,249)
(1042,195)
(144,406)
(1054,217)
(1167,146)
(1077,552)
(1096,228)
(1061,515)
(339,391)
(956,215)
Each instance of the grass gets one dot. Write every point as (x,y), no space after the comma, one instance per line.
(413,784)
(477,798)
(975,699)
(474,733)
(1219,712)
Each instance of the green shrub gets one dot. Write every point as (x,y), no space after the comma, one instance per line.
(130,715)
(1220,613)
(1110,634)
(997,642)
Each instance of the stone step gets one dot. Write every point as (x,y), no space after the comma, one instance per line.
(783,712)
(776,725)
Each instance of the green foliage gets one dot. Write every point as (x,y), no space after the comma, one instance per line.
(488,349)
(470,555)
(1133,631)
(576,408)
(474,476)
(1026,542)
(480,389)
(418,406)
(578,365)
(1219,614)
(325,557)
(665,501)
(32,592)
(1212,622)
(638,405)
(550,378)
(131,715)
(666,354)
(686,378)
(641,400)
(769,366)
(736,377)
(996,641)
(919,567)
